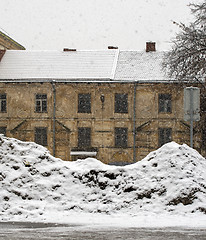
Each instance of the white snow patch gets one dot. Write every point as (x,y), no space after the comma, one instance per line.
(167,188)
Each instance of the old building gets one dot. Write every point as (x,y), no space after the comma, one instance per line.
(7,42)
(114,105)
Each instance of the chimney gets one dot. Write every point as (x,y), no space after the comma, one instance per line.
(69,50)
(150,47)
(112,47)
(2,52)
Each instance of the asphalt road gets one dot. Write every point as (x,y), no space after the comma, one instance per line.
(46,231)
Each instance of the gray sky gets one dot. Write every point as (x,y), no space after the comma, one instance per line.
(92,24)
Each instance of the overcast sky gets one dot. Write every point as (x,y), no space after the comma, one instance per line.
(92,24)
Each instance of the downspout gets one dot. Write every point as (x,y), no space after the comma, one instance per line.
(134,123)
(54,117)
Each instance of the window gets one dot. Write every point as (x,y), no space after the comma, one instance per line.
(41,103)
(84,137)
(41,136)
(165,103)
(204,138)
(84,103)
(3,130)
(121,103)
(121,137)
(3,102)
(165,136)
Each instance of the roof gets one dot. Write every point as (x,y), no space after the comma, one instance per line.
(12,43)
(141,66)
(83,65)
(58,64)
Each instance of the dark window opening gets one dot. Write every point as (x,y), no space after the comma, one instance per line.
(121,135)
(165,136)
(41,103)
(41,136)
(165,103)
(121,103)
(204,138)
(84,103)
(84,137)
(3,130)
(3,102)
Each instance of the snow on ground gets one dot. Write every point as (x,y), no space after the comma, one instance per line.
(167,188)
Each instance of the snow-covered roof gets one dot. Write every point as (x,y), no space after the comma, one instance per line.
(96,65)
(140,66)
(58,64)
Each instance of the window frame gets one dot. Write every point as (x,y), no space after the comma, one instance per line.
(121,103)
(121,137)
(42,134)
(41,103)
(3,103)
(84,103)
(165,103)
(84,137)
(163,136)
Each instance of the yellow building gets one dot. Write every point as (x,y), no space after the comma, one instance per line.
(7,42)
(114,105)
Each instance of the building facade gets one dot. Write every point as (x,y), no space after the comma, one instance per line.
(116,106)
(7,42)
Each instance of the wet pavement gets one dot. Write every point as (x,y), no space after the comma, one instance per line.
(47,231)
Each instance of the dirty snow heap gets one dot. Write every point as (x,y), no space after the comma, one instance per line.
(33,184)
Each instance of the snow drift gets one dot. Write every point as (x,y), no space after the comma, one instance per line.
(33,184)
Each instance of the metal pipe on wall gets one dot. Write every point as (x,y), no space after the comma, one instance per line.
(54,117)
(134,123)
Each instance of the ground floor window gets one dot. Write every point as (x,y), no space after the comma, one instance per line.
(84,137)
(3,130)
(165,136)
(41,136)
(121,135)
(204,138)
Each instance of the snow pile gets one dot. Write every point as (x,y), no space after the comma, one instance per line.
(35,185)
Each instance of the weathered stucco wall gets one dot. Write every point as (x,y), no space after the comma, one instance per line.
(21,119)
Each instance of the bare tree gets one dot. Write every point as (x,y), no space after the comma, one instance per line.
(186,61)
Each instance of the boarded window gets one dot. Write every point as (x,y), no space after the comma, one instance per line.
(121,137)
(165,136)
(84,103)
(41,136)
(3,102)
(165,103)
(3,130)
(41,103)
(121,103)
(84,137)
